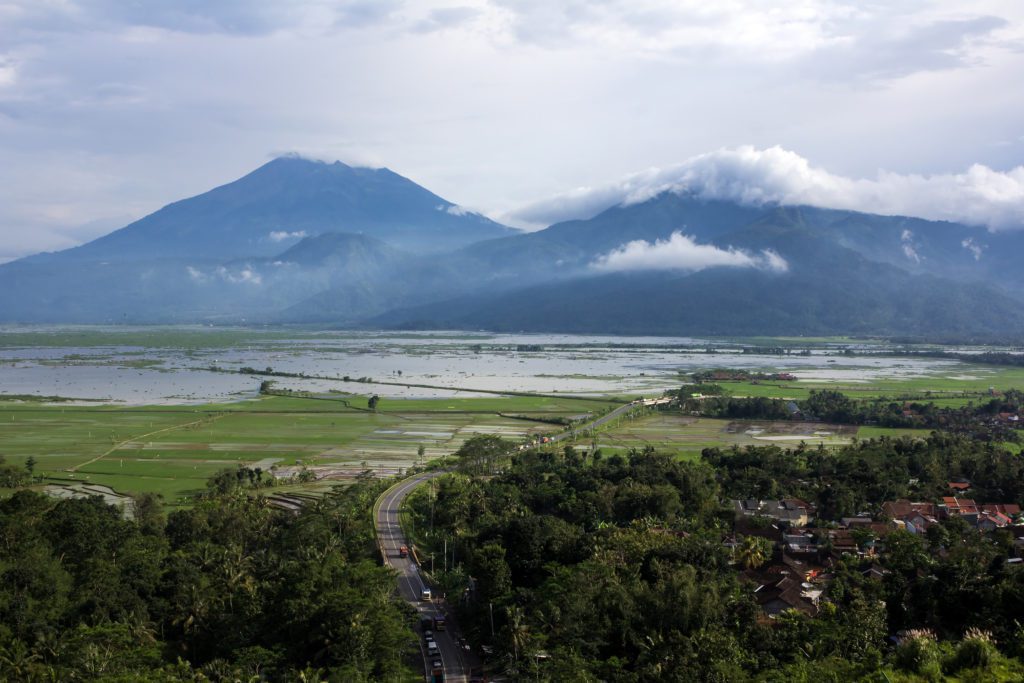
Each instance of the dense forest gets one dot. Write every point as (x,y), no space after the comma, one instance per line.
(228,590)
(562,564)
(588,568)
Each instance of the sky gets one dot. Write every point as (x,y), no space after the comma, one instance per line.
(527,110)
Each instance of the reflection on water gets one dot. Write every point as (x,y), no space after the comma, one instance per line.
(568,363)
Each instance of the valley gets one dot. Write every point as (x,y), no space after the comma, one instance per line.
(162,410)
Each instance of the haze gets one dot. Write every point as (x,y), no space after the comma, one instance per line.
(110,110)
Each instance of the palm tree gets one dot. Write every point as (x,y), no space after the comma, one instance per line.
(752,552)
(518,630)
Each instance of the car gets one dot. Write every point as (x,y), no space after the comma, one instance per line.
(428,634)
(425,595)
(432,648)
(403,551)
(437,664)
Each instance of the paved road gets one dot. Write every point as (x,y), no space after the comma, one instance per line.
(457,661)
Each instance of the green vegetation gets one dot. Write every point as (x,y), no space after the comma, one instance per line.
(174,450)
(588,567)
(228,590)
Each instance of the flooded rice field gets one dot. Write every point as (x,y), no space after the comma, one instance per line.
(451,362)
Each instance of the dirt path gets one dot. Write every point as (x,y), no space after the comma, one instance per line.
(142,436)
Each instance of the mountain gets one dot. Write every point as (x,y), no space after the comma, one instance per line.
(297,241)
(848,273)
(285,200)
(249,249)
(946,250)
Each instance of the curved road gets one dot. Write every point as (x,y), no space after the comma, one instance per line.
(390,536)
(457,661)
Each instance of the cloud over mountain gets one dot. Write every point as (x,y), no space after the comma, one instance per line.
(681,252)
(978,196)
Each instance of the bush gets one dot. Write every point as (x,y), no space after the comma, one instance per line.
(919,653)
(975,651)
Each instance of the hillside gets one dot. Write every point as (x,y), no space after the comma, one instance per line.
(304,242)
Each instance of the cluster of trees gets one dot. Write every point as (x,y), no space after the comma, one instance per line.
(838,408)
(863,475)
(589,568)
(230,589)
(12,476)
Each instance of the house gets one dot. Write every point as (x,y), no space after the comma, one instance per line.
(1009,509)
(788,584)
(952,506)
(959,485)
(913,517)
(793,511)
(990,521)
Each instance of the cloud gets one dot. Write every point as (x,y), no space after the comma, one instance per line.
(909,249)
(445,18)
(976,249)
(282,235)
(201,17)
(681,252)
(978,196)
(245,275)
(8,72)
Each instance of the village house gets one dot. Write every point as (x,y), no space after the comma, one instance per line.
(912,517)
(786,584)
(793,511)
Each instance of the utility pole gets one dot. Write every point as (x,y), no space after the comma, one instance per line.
(446,553)
(490,606)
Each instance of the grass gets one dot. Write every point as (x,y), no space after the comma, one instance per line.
(969,383)
(687,436)
(173,450)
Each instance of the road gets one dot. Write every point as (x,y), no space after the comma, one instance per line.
(590,426)
(457,662)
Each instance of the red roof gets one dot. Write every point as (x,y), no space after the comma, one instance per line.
(959,506)
(1008,509)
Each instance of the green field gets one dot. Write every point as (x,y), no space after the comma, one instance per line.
(686,436)
(971,383)
(173,450)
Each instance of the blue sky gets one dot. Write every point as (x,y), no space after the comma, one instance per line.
(527,110)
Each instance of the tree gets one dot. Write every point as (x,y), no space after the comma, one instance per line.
(753,551)
(372,402)
(484,454)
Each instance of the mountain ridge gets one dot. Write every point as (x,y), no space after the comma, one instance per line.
(297,241)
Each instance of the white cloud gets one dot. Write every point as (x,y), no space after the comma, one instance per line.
(681,252)
(245,275)
(976,249)
(282,235)
(908,246)
(195,274)
(107,90)
(978,196)
(8,73)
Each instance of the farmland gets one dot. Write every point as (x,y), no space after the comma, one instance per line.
(686,436)
(173,451)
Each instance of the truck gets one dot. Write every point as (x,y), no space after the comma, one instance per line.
(436,671)
(425,595)
(439,622)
